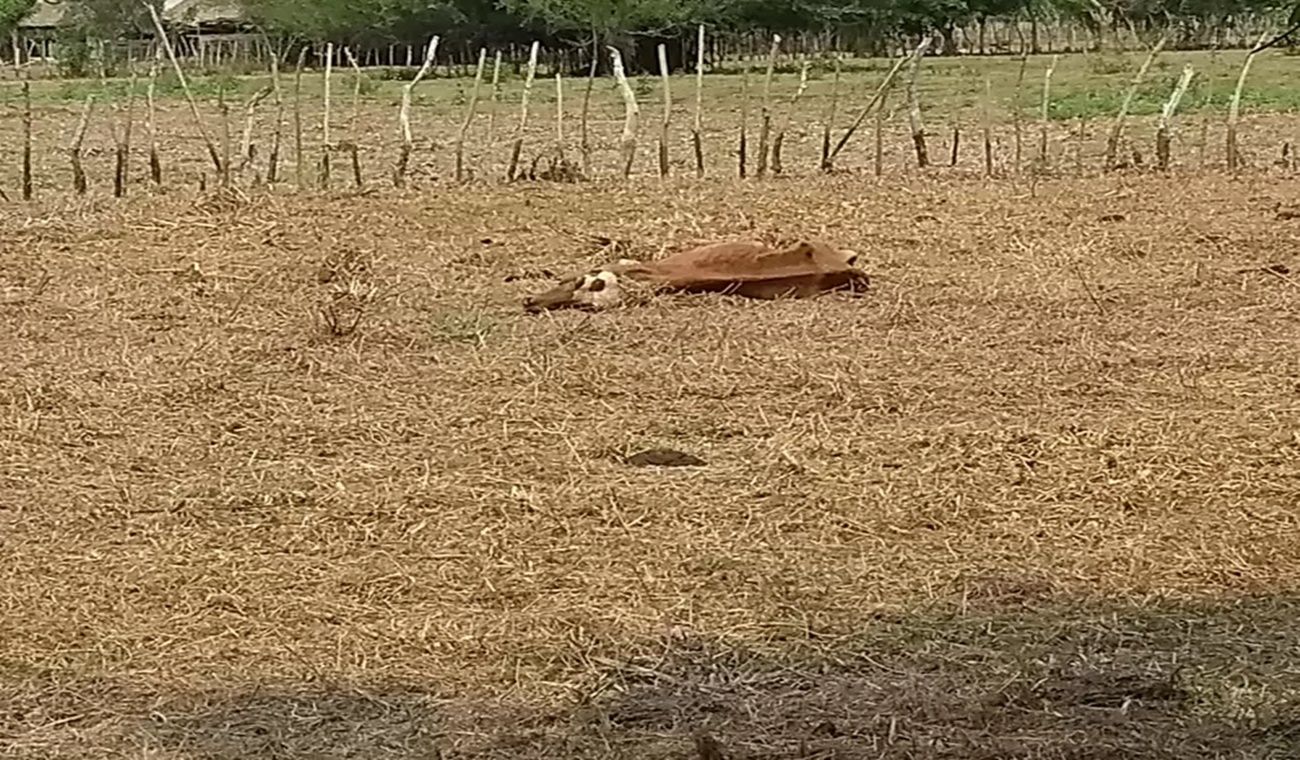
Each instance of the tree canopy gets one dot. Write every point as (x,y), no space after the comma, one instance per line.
(577,20)
(638,24)
(13,11)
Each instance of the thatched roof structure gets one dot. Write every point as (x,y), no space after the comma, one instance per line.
(49,14)
(45,15)
(202,12)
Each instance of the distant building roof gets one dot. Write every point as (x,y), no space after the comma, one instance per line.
(202,11)
(52,13)
(46,13)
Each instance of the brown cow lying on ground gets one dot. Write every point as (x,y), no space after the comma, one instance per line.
(745,268)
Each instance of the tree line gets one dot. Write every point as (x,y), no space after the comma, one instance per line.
(862,26)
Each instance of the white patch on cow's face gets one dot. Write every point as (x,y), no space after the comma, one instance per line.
(598,291)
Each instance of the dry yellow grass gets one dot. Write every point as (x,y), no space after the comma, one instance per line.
(1035,495)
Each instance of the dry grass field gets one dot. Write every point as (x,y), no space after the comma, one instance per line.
(1035,495)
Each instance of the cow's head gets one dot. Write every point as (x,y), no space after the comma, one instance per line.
(593,291)
(846,257)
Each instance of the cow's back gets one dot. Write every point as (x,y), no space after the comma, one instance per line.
(713,266)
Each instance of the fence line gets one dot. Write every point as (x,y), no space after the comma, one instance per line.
(249,174)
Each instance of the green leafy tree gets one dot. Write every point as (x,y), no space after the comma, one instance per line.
(364,21)
(337,20)
(634,26)
(13,11)
(111,19)
(1288,36)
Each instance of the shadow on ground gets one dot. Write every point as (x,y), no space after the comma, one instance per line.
(1003,680)
(305,723)
(1165,682)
